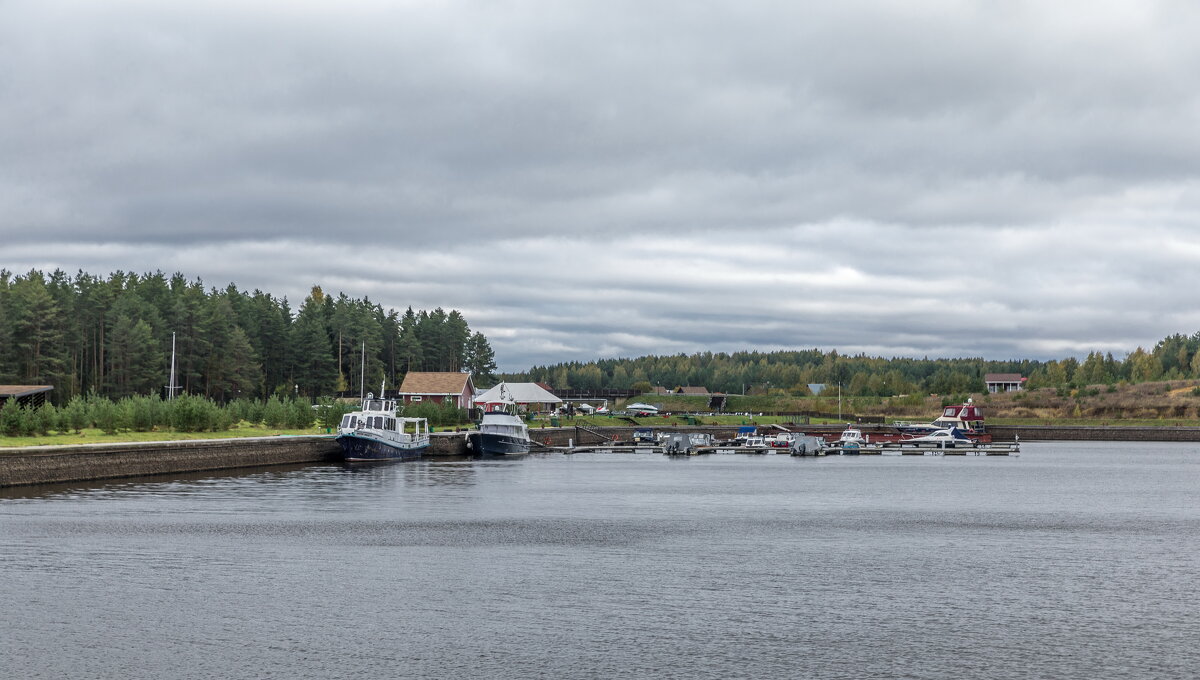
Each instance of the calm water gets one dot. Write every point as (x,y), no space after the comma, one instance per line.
(1072,561)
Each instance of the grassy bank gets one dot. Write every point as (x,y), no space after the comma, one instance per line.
(95,436)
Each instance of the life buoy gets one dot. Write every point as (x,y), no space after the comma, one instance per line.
(614,438)
(546,441)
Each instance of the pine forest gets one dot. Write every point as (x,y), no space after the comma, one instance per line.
(112,337)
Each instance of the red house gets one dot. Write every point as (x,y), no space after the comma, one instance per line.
(456,388)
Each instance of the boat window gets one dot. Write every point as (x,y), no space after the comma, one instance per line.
(346,421)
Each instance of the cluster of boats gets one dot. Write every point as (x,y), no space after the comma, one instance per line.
(375,432)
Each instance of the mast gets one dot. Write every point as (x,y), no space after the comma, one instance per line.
(362,374)
(171,383)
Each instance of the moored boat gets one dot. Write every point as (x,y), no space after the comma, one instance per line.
(376,433)
(966,417)
(501,431)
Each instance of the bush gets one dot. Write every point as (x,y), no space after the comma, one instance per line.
(74,415)
(143,414)
(440,415)
(300,414)
(12,420)
(275,412)
(42,419)
(105,415)
(194,413)
(330,411)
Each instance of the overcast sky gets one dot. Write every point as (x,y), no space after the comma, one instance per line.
(593,179)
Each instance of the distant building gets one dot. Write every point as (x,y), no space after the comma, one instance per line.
(456,388)
(29,396)
(1004,382)
(659,389)
(691,390)
(816,388)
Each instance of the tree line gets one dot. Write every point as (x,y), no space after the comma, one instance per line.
(112,336)
(193,413)
(1175,357)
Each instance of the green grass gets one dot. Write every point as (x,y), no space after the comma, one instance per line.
(94,436)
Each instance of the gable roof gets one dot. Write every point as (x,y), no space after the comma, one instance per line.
(691,389)
(417,382)
(1002,377)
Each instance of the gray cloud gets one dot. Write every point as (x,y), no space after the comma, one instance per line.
(583,179)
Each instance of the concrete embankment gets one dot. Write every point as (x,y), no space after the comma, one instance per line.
(50,464)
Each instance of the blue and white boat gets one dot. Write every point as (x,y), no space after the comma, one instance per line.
(501,431)
(377,433)
(949,437)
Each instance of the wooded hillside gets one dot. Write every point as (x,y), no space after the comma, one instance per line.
(112,336)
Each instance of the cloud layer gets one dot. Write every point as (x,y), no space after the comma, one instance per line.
(599,179)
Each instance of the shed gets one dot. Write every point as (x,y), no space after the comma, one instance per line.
(29,396)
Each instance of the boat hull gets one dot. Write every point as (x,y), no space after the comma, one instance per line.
(365,449)
(491,444)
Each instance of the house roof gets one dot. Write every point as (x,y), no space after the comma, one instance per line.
(417,382)
(659,389)
(1003,377)
(522,393)
(691,389)
(22,390)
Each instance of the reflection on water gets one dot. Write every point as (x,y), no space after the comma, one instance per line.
(1073,561)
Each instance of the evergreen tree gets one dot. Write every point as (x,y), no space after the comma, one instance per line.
(314,369)
(37,340)
(480,359)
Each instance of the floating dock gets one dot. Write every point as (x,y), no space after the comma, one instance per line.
(1008,449)
(894,449)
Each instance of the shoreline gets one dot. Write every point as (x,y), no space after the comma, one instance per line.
(65,463)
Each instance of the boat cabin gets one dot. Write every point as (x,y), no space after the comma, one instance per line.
(967,417)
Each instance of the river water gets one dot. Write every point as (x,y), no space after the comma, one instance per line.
(1071,561)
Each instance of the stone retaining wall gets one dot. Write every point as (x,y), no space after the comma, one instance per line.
(50,464)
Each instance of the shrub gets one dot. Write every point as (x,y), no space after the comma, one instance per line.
(105,415)
(12,420)
(52,419)
(330,411)
(142,413)
(194,413)
(74,415)
(41,420)
(300,414)
(275,412)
